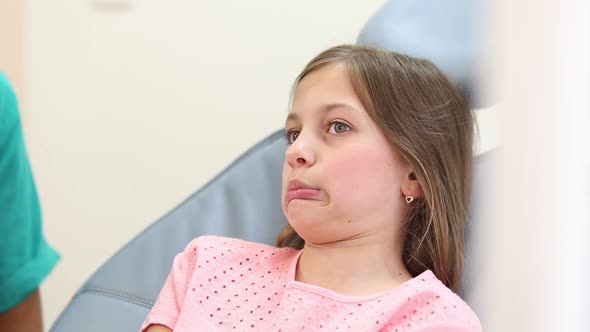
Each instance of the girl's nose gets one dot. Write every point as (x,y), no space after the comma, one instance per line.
(300,153)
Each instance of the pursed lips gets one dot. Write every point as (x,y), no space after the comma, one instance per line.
(300,190)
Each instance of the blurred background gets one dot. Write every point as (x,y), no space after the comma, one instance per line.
(129,106)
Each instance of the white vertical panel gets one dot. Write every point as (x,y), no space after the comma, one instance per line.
(540,252)
(574,96)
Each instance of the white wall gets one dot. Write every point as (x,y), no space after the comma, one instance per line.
(133,108)
(11,46)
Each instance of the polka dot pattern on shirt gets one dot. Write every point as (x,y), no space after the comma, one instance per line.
(222,284)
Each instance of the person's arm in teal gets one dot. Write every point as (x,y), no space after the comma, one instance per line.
(25,257)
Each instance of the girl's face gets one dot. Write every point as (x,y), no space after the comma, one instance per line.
(342,179)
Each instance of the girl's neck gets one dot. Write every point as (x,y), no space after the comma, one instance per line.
(356,267)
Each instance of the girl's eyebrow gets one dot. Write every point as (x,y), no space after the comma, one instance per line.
(325,108)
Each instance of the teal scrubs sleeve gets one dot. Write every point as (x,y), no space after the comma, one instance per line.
(25,257)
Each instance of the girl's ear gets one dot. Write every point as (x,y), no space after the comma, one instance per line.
(411,186)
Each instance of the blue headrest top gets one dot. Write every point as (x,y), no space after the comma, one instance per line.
(444,32)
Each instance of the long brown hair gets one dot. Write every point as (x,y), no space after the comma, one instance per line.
(427,119)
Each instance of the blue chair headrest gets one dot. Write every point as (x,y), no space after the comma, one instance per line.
(444,32)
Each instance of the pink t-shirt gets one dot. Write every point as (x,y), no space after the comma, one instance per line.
(223,284)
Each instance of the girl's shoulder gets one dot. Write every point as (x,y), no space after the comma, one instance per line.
(431,304)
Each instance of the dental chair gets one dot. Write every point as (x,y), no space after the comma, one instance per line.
(120,294)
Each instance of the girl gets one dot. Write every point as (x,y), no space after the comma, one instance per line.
(375,188)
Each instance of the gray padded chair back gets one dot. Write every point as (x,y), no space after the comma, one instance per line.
(120,294)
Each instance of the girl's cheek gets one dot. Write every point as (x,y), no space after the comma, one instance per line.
(356,167)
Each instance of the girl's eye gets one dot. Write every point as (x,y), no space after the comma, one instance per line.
(338,128)
(291,136)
